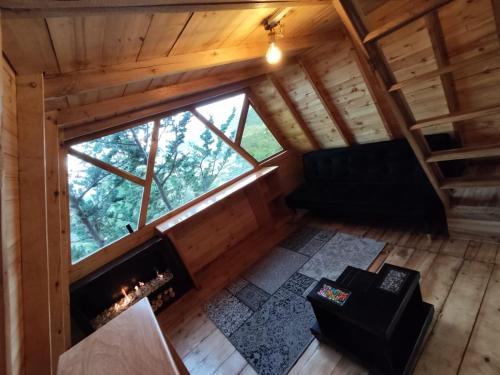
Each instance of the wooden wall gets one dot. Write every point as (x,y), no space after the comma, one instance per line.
(11,250)
(469,30)
(336,72)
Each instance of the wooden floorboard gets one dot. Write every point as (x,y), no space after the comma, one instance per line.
(458,277)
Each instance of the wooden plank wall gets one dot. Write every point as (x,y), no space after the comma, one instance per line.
(469,30)
(11,241)
(335,69)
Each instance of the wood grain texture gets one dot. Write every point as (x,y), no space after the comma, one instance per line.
(10,224)
(131,343)
(35,270)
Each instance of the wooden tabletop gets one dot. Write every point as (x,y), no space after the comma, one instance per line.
(130,344)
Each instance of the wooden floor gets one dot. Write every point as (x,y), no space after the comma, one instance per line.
(460,278)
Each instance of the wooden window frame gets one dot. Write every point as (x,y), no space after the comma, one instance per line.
(146,230)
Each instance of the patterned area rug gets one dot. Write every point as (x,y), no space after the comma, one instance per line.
(265,314)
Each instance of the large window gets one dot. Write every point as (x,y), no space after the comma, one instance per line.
(121,182)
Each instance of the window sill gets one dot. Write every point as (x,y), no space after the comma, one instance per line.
(206,203)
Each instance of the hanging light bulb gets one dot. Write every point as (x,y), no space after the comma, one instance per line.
(273,54)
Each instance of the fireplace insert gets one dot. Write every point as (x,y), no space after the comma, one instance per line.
(152,270)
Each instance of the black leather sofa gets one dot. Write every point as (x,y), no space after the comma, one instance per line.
(376,181)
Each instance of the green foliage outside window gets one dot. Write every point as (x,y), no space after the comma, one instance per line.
(190,161)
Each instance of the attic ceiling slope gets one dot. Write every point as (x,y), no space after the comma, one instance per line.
(34,8)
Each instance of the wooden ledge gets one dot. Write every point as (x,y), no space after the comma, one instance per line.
(192,211)
(131,343)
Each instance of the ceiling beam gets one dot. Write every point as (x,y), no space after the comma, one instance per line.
(116,75)
(402,20)
(91,130)
(273,78)
(112,107)
(332,111)
(378,94)
(58,8)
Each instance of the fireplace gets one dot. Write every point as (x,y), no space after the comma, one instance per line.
(152,270)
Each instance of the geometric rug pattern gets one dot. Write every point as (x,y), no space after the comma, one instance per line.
(265,313)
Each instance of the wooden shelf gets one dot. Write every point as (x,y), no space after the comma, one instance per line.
(473,181)
(465,153)
(205,204)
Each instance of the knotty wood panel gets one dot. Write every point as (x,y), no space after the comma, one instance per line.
(308,104)
(10,224)
(469,30)
(336,66)
(282,116)
(409,53)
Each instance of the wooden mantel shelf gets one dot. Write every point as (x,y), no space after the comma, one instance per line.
(197,208)
(130,344)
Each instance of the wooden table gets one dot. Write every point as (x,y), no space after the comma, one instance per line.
(130,344)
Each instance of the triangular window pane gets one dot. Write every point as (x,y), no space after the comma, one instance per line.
(257,140)
(190,161)
(224,114)
(101,206)
(127,150)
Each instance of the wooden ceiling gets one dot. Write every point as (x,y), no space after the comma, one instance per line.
(201,43)
(106,58)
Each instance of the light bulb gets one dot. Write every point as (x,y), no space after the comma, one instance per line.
(273,54)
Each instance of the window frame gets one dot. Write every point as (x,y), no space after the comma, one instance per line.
(146,230)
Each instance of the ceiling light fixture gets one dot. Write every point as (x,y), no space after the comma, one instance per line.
(274,54)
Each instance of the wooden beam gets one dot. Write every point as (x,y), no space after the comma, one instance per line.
(150,170)
(482,58)
(241,151)
(33,210)
(403,19)
(107,167)
(58,255)
(294,111)
(4,342)
(243,119)
(87,131)
(472,181)
(397,103)
(57,8)
(441,55)
(113,107)
(457,116)
(465,153)
(332,111)
(117,75)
